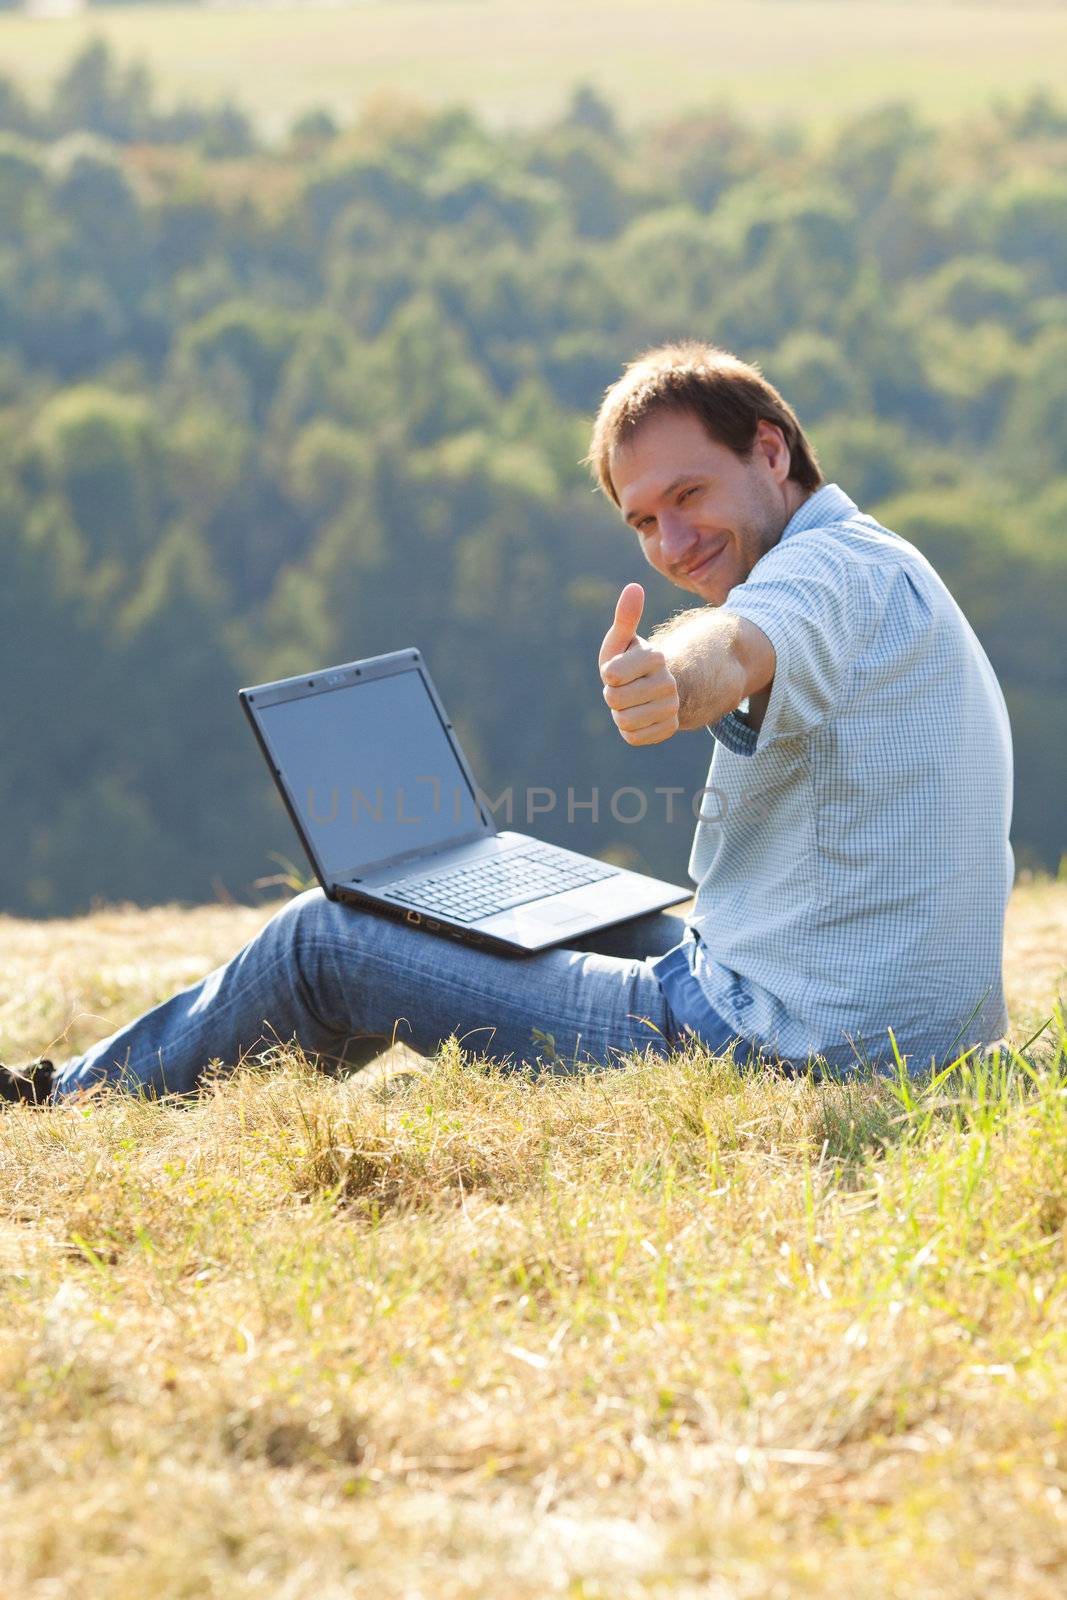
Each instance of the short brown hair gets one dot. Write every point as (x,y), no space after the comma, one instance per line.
(728,396)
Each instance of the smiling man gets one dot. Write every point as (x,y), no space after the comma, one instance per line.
(852,857)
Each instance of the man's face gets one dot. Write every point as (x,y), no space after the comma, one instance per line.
(704,516)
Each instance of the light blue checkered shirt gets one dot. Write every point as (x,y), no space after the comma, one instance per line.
(852,857)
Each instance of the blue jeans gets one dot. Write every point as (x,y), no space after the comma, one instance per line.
(343,983)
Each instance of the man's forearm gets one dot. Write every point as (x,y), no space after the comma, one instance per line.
(717,660)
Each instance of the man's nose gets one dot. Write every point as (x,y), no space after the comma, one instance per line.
(675,536)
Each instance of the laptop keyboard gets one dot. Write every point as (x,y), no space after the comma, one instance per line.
(469,893)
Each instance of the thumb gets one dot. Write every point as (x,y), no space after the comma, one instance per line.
(628,609)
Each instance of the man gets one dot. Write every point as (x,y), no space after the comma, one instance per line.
(853,864)
(852,860)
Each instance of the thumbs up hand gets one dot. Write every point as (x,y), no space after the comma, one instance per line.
(639,687)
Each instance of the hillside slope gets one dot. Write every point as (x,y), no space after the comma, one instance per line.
(668,1331)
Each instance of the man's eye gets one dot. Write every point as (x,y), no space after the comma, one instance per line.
(687,492)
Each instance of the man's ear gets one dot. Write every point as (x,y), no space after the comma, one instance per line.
(770,440)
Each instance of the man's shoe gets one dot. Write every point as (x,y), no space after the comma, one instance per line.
(31,1085)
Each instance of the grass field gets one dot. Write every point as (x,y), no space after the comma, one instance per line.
(515,61)
(669,1331)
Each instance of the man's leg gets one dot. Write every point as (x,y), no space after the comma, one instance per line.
(332,977)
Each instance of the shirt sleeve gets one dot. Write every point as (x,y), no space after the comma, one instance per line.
(804,595)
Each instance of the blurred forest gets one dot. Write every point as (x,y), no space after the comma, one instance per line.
(262,410)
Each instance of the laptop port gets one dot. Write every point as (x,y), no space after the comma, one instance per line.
(414,917)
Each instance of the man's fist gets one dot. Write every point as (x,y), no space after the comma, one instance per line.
(638,684)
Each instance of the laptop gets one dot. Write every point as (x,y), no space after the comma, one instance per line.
(388,811)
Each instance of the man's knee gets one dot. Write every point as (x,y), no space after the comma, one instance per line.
(306,924)
(304,908)
(310,940)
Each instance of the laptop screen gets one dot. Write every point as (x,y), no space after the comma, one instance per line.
(370,771)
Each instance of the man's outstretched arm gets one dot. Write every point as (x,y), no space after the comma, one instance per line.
(717,659)
(693,671)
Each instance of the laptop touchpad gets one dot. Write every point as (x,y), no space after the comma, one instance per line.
(560,916)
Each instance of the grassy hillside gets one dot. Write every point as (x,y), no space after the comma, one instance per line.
(515,61)
(666,1331)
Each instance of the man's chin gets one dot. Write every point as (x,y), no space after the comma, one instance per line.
(714,584)
(713,590)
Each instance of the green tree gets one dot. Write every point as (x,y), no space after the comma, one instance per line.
(99,454)
(1034,442)
(98,95)
(246,342)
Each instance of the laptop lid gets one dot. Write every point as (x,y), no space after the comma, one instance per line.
(367,764)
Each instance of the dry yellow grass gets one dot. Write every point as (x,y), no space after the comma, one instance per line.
(672,1330)
(516,61)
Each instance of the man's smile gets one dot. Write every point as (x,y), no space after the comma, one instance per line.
(700,564)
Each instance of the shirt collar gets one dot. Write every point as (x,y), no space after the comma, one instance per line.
(828,504)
